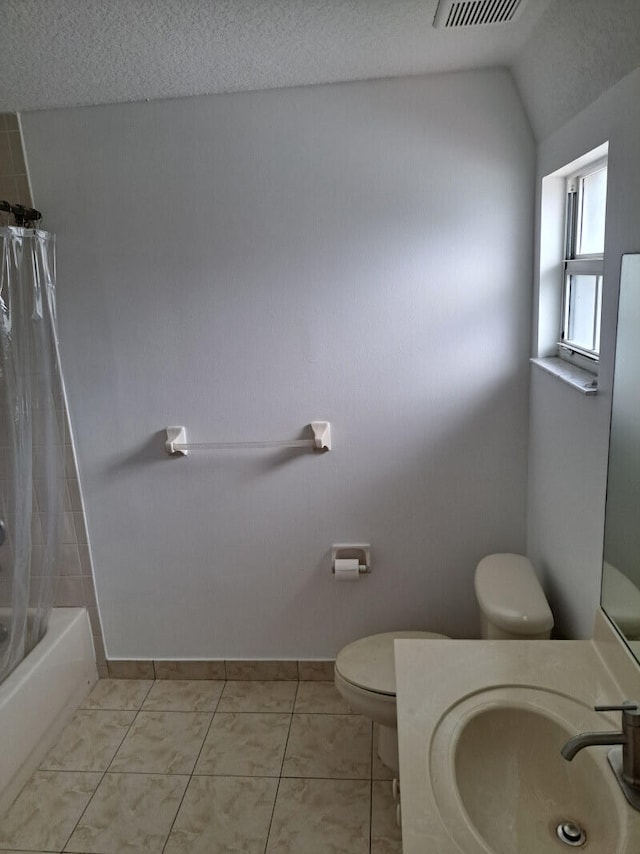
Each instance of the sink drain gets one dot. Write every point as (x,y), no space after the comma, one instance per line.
(571,834)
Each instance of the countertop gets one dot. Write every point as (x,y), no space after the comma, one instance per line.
(435,675)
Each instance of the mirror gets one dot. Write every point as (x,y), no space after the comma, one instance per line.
(621,569)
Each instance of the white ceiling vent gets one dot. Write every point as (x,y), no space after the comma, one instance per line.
(475,13)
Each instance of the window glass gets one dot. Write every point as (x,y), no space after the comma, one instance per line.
(583,312)
(594,197)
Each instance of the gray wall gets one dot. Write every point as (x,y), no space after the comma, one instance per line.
(243,264)
(569,432)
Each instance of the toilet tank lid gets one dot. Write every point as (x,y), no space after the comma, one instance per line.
(510,595)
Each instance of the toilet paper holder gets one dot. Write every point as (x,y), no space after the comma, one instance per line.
(344,551)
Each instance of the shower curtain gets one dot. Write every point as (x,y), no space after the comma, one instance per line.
(31,441)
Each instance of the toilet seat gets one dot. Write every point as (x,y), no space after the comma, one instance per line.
(365,675)
(368,664)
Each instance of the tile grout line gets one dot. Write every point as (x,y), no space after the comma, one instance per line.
(191,775)
(137,712)
(104,773)
(284,753)
(223,776)
(371,793)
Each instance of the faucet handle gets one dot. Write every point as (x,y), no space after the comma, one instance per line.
(626,706)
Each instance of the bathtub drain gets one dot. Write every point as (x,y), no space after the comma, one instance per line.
(571,834)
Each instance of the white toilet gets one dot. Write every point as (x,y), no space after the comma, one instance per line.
(512,607)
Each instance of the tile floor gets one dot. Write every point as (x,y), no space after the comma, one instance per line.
(188,767)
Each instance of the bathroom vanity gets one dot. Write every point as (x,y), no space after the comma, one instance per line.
(481,724)
(480,727)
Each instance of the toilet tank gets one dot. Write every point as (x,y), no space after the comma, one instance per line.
(512,603)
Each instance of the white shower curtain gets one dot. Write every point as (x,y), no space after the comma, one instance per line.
(31,441)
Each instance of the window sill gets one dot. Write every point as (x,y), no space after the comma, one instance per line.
(578,378)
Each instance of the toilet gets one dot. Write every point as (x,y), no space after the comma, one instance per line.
(512,607)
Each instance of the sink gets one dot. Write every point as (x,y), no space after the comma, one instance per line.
(502,786)
(480,727)
(516,789)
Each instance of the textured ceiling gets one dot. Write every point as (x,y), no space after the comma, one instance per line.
(578,49)
(59,53)
(68,52)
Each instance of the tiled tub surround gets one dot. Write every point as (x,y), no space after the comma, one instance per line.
(209,766)
(75,585)
(14,185)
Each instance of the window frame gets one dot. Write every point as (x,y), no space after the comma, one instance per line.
(575,264)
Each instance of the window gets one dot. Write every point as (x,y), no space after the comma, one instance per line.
(586,195)
(569,280)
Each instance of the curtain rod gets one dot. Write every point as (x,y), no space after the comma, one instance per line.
(24,217)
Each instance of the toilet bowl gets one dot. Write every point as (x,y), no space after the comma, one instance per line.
(365,675)
(512,606)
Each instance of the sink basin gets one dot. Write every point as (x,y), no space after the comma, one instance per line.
(501,785)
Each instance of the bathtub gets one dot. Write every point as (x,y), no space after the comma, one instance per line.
(39,697)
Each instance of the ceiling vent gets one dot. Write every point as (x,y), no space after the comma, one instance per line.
(474,13)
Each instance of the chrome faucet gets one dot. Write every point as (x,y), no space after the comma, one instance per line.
(625,762)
